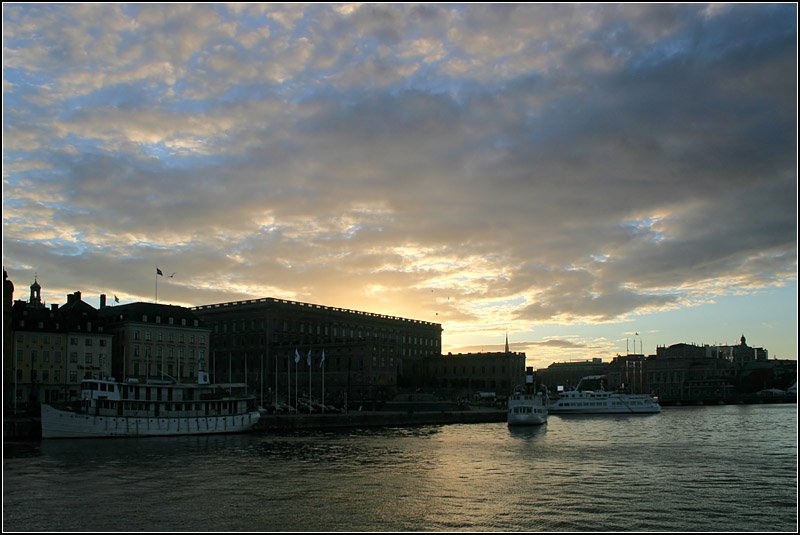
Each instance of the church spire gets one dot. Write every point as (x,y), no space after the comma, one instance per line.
(507,351)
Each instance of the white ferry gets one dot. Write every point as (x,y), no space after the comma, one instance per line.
(108,408)
(583,401)
(526,406)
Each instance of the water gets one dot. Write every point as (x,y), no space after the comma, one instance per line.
(725,468)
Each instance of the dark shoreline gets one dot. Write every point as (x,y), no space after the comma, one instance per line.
(29,428)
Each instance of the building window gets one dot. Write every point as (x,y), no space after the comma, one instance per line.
(73,341)
(88,358)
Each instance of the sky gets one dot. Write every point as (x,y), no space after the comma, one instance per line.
(588,180)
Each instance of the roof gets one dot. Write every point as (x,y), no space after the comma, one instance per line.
(151,311)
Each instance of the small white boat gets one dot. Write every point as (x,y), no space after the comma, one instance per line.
(108,408)
(527,406)
(584,401)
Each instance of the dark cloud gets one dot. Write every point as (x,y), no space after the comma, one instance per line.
(585,163)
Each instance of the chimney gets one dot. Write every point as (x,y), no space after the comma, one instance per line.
(70,298)
(102,300)
(77,296)
(53,307)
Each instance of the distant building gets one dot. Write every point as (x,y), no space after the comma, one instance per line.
(88,352)
(8,341)
(567,374)
(687,373)
(497,372)
(153,340)
(53,350)
(368,356)
(743,354)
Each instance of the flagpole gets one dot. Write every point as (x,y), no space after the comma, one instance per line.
(309,381)
(322,363)
(261,379)
(288,380)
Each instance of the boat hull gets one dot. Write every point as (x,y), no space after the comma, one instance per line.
(58,423)
(527,419)
(600,410)
(604,404)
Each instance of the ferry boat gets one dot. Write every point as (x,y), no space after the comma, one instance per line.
(526,406)
(585,401)
(108,408)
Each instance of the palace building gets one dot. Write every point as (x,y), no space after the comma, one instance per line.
(277,347)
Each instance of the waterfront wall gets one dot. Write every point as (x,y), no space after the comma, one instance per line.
(282,422)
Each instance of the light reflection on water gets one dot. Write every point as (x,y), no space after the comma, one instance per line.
(729,468)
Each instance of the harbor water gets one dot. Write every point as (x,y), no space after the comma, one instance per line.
(720,468)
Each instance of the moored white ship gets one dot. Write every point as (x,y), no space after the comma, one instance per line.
(526,405)
(156,408)
(584,401)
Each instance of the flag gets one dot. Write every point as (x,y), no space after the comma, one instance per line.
(322,360)
(296,356)
(158,272)
(116,299)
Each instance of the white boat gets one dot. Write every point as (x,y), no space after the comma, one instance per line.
(599,401)
(108,408)
(526,406)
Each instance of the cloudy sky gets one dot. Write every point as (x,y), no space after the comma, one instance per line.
(583,177)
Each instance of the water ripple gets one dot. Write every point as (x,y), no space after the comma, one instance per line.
(692,469)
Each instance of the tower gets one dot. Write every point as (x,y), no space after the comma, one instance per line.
(36,294)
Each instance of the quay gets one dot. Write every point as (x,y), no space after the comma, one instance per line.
(285,422)
(30,428)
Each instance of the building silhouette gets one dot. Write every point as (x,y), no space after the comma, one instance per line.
(277,347)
